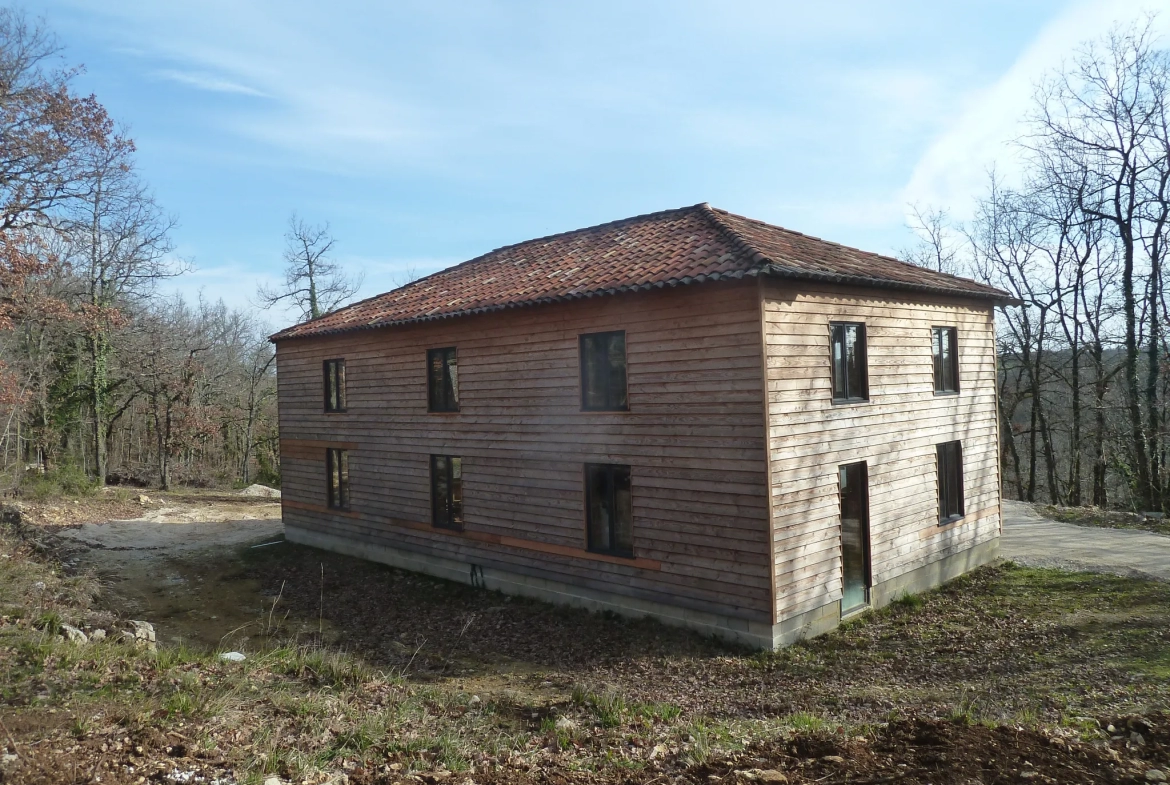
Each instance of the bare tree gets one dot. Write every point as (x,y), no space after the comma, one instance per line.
(313,281)
(937,246)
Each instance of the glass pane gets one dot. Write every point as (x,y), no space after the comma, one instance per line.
(616,398)
(854,537)
(855,361)
(456,491)
(936,349)
(333,471)
(343,479)
(435,380)
(339,384)
(439,490)
(593,372)
(838,344)
(452,392)
(597,491)
(951,360)
(623,513)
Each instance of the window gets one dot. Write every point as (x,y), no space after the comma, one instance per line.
(849,370)
(950,481)
(335,385)
(447,492)
(603,372)
(609,512)
(855,578)
(945,342)
(337,474)
(442,380)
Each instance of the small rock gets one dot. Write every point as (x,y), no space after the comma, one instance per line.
(72,634)
(8,757)
(10,515)
(474,701)
(274,781)
(565,724)
(39,585)
(261,491)
(98,635)
(143,499)
(833,759)
(141,634)
(772,775)
(1137,738)
(1155,775)
(232,656)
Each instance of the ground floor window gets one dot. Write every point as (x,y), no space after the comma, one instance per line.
(447,492)
(950,481)
(608,509)
(337,478)
(855,568)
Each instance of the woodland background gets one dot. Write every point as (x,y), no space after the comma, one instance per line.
(105,380)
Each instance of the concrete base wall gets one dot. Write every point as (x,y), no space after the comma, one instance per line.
(743,631)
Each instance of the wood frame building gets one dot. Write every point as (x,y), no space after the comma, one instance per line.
(689,415)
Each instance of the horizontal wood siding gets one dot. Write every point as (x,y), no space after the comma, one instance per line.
(694,438)
(895,433)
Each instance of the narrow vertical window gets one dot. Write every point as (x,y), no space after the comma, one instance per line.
(945,347)
(849,371)
(609,509)
(337,478)
(447,492)
(442,380)
(855,565)
(950,481)
(603,372)
(335,385)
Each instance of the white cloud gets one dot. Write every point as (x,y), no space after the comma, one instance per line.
(953,171)
(208,82)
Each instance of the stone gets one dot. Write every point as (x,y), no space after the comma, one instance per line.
(232,656)
(11,515)
(565,724)
(1155,775)
(771,775)
(1137,739)
(8,757)
(73,635)
(143,499)
(275,781)
(98,635)
(474,700)
(260,492)
(141,634)
(833,759)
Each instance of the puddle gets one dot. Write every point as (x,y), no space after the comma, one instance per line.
(185,578)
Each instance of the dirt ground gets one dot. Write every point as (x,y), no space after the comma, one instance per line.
(355,669)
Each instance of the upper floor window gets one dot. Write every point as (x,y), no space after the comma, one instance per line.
(442,380)
(945,342)
(950,481)
(608,509)
(447,492)
(603,372)
(850,376)
(335,385)
(337,478)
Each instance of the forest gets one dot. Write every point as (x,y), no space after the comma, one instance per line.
(107,379)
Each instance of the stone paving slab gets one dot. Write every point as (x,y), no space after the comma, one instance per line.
(1035,541)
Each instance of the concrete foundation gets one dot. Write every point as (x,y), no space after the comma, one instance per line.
(750,633)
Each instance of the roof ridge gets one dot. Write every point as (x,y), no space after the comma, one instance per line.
(838,245)
(757,257)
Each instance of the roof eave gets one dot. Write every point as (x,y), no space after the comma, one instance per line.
(997,296)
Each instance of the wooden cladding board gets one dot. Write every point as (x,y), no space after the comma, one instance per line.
(694,436)
(895,433)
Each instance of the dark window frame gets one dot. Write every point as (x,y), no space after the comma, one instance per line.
(940,373)
(616,400)
(951,504)
(836,373)
(335,386)
(337,496)
(450,514)
(443,397)
(623,550)
(863,483)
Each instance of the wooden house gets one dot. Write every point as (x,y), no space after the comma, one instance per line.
(689,415)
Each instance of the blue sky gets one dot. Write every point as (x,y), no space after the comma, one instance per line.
(430,132)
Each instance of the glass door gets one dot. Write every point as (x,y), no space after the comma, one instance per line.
(855,577)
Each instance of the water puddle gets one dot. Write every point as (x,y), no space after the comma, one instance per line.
(185,578)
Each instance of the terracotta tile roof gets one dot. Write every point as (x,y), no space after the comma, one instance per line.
(670,248)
